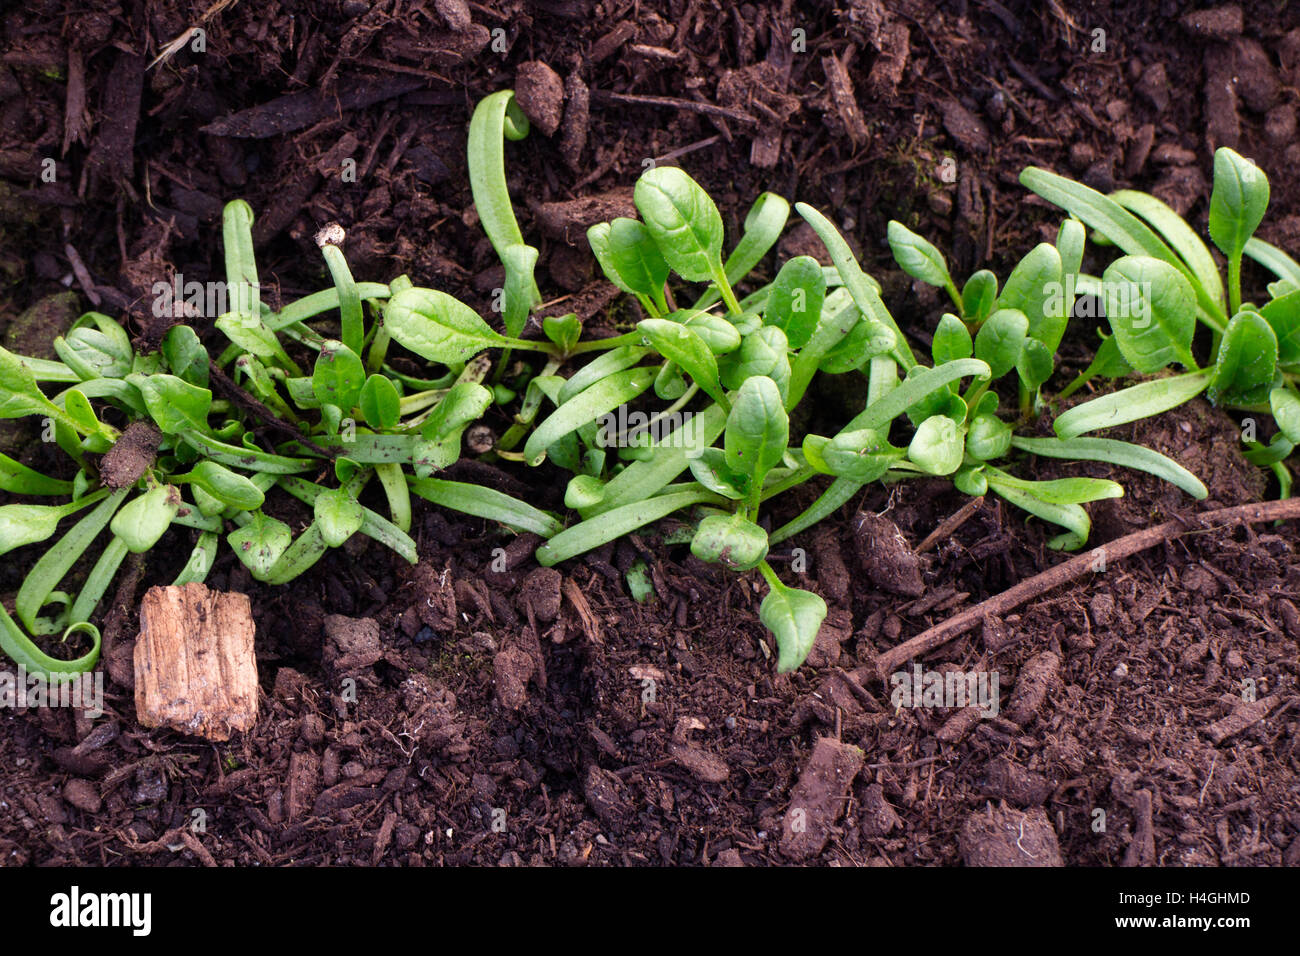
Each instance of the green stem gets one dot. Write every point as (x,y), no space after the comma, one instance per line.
(399,495)
(676,406)
(378,351)
(595,345)
(729,297)
(770,576)
(796,477)
(1234,283)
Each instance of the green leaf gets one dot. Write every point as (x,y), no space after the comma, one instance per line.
(583,491)
(338,376)
(730,540)
(146,518)
(260,543)
(1060,491)
(1286,412)
(243,457)
(764,352)
(864,292)
(710,469)
(19,393)
(231,489)
(1114,222)
(564,330)
(185,355)
(373,525)
(439,445)
(920,259)
(249,333)
(49,570)
(682,220)
(1204,270)
(1071,239)
(794,304)
(103,352)
(496,118)
(863,455)
(979,296)
(988,438)
(1247,362)
(1152,311)
(241,264)
(381,405)
(438,327)
(1035,287)
(880,413)
(951,340)
(338,516)
(485,503)
(762,228)
(938,445)
(628,256)
(670,456)
(1274,259)
(31,658)
(720,335)
(1071,517)
(616,522)
(680,344)
(1114,452)
(1283,316)
(1238,201)
(1035,364)
(1100,212)
(26,524)
(173,403)
(1131,404)
(1001,339)
(794,617)
(16,478)
(602,397)
(611,362)
(78,408)
(866,341)
(519,261)
(758,430)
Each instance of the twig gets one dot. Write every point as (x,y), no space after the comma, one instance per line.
(950,524)
(221,381)
(1123,547)
(710,109)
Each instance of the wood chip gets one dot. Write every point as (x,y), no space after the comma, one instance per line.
(1245,716)
(846,105)
(194,666)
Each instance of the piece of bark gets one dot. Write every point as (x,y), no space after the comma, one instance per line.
(846,104)
(819,798)
(1246,715)
(194,666)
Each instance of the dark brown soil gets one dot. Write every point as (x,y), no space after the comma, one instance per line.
(531,716)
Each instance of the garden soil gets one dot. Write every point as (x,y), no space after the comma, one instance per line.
(489,711)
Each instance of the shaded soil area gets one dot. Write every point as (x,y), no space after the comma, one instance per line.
(525,716)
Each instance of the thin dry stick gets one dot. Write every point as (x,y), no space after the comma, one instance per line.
(950,524)
(1123,547)
(672,102)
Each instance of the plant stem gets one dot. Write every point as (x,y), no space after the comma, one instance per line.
(595,345)
(399,496)
(378,351)
(1234,283)
(724,287)
(660,416)
(796,477)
